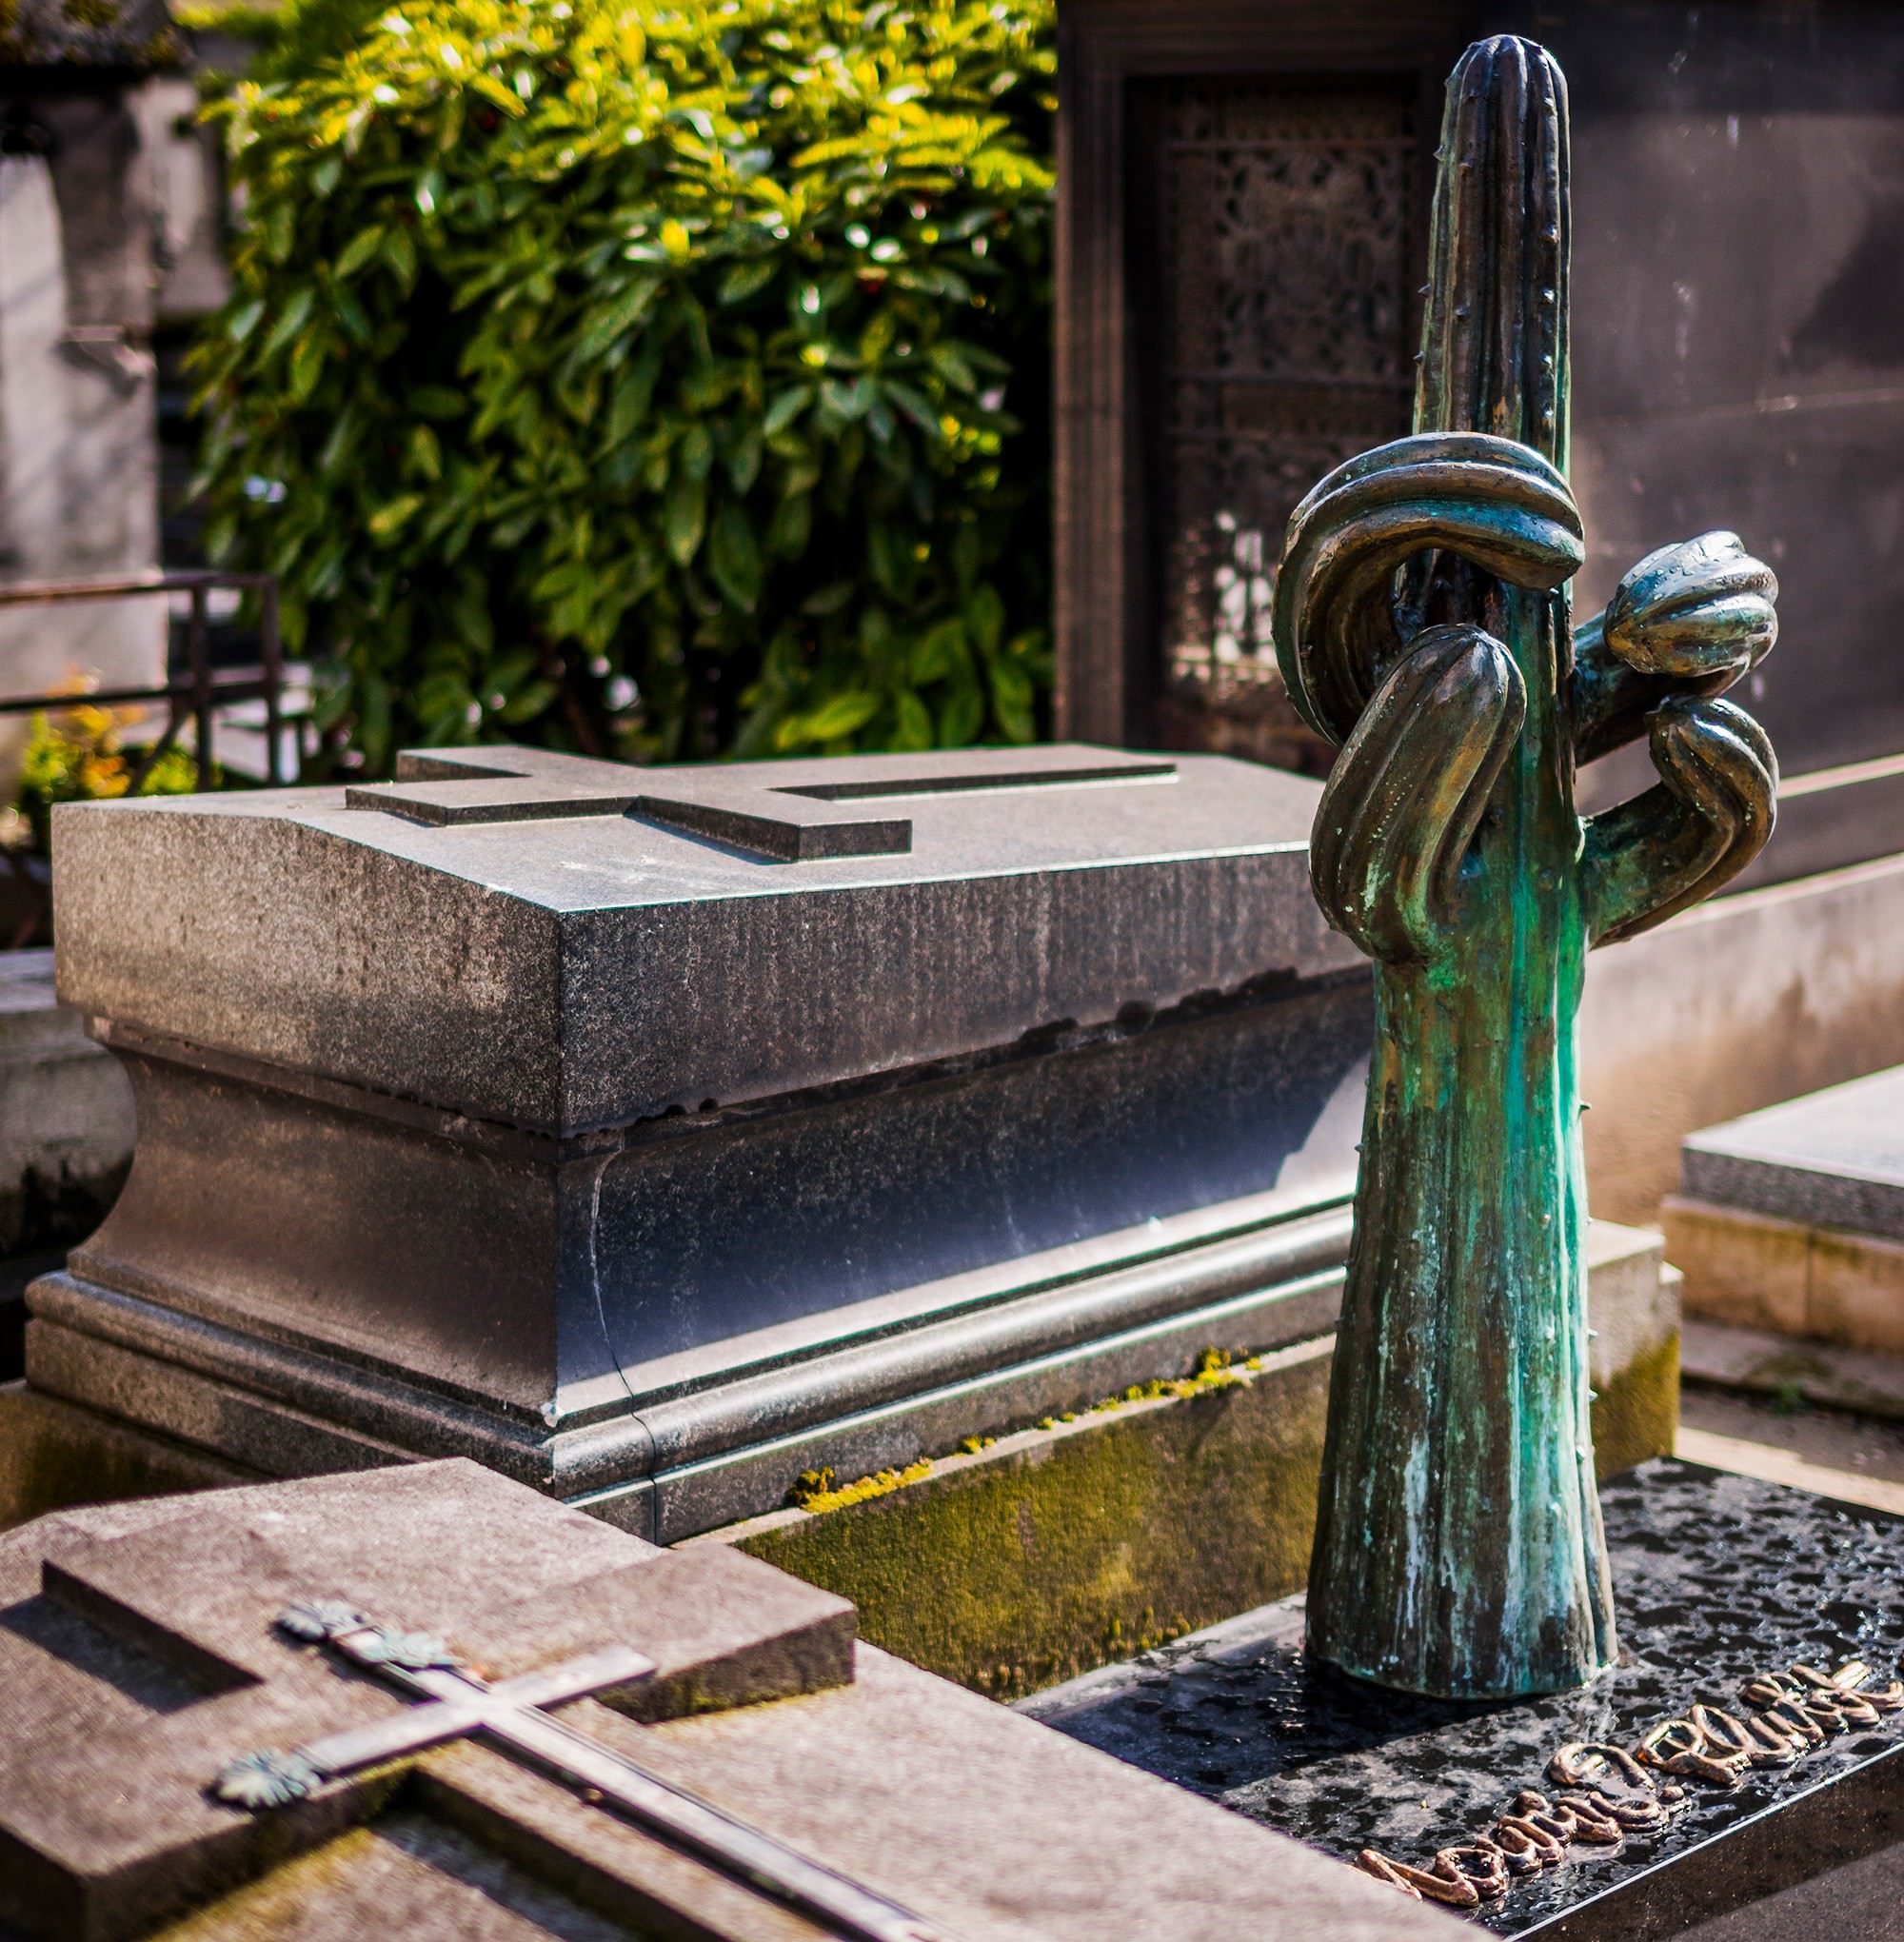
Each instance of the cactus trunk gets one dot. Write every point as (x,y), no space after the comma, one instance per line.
(1460,1549)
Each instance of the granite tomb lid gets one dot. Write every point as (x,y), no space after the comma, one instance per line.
(564,945)
(140,1658)
(1833,1158)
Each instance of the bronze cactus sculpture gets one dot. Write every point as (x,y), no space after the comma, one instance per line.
(1423,626)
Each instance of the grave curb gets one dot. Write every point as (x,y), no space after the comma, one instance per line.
(1057,1550)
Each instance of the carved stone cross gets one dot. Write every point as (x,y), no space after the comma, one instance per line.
(800,817)
(510,1715)
(139,1651)
(183,1607)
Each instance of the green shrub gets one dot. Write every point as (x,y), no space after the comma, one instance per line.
(638,381)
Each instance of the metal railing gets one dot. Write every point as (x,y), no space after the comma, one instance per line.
(202,692)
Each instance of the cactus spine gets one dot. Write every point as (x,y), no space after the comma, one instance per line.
(1422,623)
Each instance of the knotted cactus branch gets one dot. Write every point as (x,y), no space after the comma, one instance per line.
(1699,608)
(1494,503)
(1710,815)
(1422,623)
(1689,620)
(1402,803)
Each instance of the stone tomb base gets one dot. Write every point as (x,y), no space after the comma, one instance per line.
(1718,1578)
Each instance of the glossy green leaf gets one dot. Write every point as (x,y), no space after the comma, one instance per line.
(686,516)
(840,717)
(747,280)
(785,408)
(396,513)
(359,250)
(734,557)
(307,365)
(913,728)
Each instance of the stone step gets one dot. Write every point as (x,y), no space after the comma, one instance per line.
(1792,1219)
(1762,1362)
(1832,1158)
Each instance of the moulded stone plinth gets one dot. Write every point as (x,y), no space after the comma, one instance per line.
(650,1134)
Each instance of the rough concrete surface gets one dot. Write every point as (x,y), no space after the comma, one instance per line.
(1793,1372)
(1821,1284)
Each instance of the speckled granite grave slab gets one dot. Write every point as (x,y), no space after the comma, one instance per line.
(1834,1158)
(1717,1578)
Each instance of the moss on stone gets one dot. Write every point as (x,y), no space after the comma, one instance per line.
(1091,1537)
(1637,1412)
(54,1454)
(815,1490)
(1062,1549)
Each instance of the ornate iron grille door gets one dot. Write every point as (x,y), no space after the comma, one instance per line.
(1287,219)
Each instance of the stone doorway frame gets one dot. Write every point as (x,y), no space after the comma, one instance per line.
(1106,603)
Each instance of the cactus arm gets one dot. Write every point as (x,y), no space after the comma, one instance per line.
(1490,500)
(1407,794)
(1707,817)
(1689,620)
(1610,700)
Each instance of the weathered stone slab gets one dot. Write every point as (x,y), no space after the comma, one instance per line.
(1793,1217)
(188,1589)
(1812,996)
(1834,1158)
(563,973)
(1021,1062)
(1824,1284)
(139,1659)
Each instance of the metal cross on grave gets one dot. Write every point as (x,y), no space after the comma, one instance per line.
(510,1716)
(778,812)
(200,1617)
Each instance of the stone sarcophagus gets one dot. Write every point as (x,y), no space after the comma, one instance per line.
(651,1134)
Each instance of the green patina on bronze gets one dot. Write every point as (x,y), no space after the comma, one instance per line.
(1423,625)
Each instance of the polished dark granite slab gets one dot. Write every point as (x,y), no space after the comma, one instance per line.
(1717,1578)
